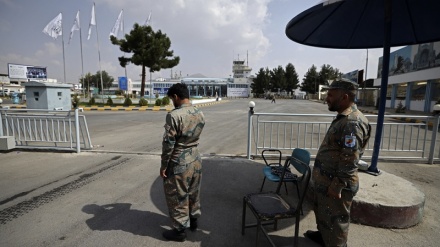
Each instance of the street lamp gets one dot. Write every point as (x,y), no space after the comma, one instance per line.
(250,113)
(315,84)
(251,107)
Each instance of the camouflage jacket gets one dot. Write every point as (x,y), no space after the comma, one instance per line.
(183,127)
(343,146)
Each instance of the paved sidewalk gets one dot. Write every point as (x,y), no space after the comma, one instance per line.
(99,199)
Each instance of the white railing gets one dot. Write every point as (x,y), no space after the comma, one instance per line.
(46,129)
(400,139)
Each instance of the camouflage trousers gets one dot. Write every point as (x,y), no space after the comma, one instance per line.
(182,194)
(332,214)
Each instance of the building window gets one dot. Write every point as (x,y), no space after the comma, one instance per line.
(60,94)
(418,90)
(435,91)
(401,91)
(389,91)
(36,94)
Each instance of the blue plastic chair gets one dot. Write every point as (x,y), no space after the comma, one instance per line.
(299,155)
(270,207)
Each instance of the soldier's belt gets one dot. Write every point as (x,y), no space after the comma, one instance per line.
(318,164)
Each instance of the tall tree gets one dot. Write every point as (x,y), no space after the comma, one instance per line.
(95,80)
(292,80)
(261,82)
(310,81)
(88,81)
(278,79)
(150,49)
(106,79)
(327,73)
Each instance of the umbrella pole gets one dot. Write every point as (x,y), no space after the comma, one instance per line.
(383,89)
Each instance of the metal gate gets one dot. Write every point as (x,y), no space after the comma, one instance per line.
(413,139)
(46,129)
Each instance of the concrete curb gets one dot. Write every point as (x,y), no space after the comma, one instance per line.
(386,201)
(129,108)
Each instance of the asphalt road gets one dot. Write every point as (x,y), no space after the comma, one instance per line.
(225,131)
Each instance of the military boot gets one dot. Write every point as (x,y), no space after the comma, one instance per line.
(315,236)
(175,235)
(193,224)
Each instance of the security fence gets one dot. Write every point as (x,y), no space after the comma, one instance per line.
(409,138)
(46,129)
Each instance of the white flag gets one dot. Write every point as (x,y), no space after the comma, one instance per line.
(54,28)
(74,27)
(147,22)
(118,25)
(92,21)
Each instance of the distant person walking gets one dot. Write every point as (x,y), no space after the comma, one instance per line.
(181,163)
(335,174)
(273,99)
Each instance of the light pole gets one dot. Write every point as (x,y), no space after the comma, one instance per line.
(315,85)
(316,90)
(250,113)
(364,95)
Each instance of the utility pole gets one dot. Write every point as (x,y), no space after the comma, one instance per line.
(364,100)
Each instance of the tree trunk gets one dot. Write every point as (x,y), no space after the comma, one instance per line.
(143,82)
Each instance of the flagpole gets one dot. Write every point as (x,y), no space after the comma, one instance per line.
(82,61)
(148,22)
(99,57)
(123,34)
(64,58)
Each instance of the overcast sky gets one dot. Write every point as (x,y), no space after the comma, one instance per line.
(206,35)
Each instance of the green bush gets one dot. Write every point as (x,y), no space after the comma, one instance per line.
(109,101)
(158,102)
(143,102)
(165,101)
(75,100)
(127,102)
(400,108)
(92,101)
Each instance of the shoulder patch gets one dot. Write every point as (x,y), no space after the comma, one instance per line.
(350,141)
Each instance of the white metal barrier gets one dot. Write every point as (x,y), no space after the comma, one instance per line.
(400,139)
(46,129)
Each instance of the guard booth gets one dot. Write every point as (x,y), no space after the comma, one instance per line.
(49,96)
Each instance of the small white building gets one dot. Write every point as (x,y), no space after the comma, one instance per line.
(50,96)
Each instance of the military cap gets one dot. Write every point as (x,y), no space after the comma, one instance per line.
(343,83)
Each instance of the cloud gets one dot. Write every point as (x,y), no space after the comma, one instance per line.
(206,30)
(49,49)
(111,68)
(17,59)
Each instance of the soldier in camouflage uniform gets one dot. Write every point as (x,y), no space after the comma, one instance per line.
(181,163)
(334,174)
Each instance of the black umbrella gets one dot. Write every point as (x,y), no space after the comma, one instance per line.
(361,24)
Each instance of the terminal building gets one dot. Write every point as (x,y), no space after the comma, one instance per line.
(414,77)
(199,85)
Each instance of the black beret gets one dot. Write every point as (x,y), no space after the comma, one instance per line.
(343,83)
